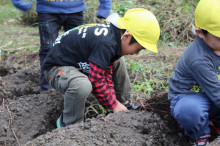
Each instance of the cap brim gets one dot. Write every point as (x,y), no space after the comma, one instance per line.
(215,33)
(148,46)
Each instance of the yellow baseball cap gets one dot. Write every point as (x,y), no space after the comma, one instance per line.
(207,16)
(142,24)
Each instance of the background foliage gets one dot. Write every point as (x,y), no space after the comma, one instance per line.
(175,17)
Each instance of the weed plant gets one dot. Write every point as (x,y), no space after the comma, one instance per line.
(30,18)
(150,72)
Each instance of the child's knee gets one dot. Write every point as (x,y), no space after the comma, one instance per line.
(85,87)
(81,87)
(188,115)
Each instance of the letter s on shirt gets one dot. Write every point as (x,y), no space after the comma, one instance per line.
(99,31)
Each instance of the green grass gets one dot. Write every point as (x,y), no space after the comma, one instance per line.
(15,37)
(7,12)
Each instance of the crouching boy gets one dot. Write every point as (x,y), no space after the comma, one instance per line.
(195,86)
(89,59)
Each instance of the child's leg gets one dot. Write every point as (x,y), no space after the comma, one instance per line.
(48,30)
(76,88)
(73,20)
(191,112)
(121,81)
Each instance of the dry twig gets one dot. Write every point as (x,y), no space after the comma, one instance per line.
(10,124)
(15,136)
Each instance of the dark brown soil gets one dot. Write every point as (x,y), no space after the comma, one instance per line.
(28,118)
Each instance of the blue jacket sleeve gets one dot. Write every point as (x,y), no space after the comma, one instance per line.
(22,5)
(104,8)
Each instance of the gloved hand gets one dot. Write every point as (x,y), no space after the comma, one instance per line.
(22,5)
(104,9)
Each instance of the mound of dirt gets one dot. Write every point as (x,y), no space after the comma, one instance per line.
(124,128)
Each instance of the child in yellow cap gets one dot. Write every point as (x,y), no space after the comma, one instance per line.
(195,85)
(89,59)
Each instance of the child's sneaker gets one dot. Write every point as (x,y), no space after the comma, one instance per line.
(214,126)
(60,122)
(131,106)
(200,141)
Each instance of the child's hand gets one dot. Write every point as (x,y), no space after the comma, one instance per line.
(119,107)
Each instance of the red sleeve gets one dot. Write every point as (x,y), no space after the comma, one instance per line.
(108,75)
(103,87)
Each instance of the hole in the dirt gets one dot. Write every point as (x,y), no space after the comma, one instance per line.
(145,131)
(51,122)
(111,135)
(51,125)
(42,111)
(3,72)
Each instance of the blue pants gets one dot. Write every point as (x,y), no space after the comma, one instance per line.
(192,112)
(49,26)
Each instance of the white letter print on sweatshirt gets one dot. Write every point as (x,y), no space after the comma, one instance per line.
(100,31)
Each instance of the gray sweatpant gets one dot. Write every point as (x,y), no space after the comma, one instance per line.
(76,88)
